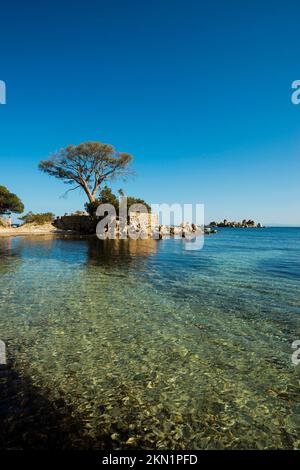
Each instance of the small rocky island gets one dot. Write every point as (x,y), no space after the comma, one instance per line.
(233,224)
(145,224)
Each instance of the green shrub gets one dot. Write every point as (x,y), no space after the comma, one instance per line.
(40,219)
(107,197)
(91,207)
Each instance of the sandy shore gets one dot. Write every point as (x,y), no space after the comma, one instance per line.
(32,229)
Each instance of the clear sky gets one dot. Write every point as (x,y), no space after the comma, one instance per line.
(198,91)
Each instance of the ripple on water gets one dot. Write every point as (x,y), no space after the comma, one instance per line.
(150,346)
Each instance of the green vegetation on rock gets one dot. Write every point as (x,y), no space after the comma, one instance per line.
(108,197)
(41,218)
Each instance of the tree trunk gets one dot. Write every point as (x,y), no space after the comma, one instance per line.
(90,196)
(87,191)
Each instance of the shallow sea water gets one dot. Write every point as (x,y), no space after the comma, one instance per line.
(147,345)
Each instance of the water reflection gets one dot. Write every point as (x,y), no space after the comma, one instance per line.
(79,250)
(9,253)
(119,252)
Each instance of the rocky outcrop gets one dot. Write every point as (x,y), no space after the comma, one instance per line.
(82,224)
(137,226)
(233,224)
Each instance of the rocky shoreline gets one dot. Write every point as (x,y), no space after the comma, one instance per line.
(185,230)
(31,229)
(135,228)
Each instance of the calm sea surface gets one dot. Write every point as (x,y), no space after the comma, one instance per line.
(142,344)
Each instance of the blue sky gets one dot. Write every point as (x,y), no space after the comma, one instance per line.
(199,92)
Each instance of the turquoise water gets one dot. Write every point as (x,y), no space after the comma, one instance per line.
(142,344)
